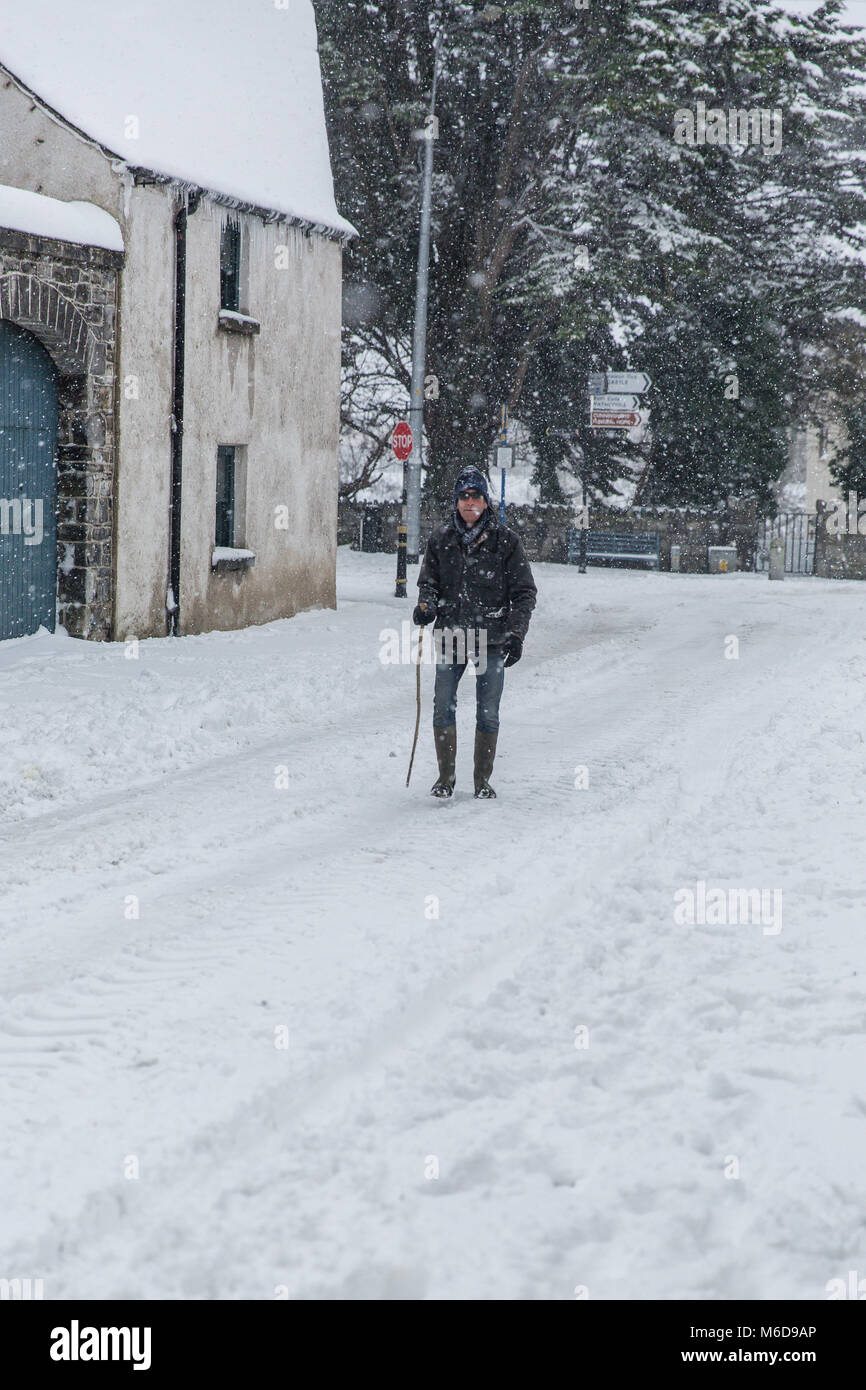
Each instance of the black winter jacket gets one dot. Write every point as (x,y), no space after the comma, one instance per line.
(489,586)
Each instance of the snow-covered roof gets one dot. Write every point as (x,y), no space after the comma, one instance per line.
(225,94)
(84,223)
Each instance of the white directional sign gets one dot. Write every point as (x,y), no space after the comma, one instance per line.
(614,402)
(628,381)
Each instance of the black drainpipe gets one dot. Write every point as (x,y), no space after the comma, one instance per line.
(180,221)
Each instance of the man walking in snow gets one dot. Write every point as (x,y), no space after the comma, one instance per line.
(476,584)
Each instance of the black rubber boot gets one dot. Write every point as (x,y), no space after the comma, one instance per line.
(446,755)
(485,752)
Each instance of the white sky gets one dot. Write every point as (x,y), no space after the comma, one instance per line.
(854,10)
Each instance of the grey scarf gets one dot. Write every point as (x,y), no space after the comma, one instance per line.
(470,534)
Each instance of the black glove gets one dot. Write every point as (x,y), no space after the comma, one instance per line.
(424,613)
(513,649)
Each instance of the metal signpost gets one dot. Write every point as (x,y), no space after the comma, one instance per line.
(419,337)
(504,459)
(583,523)
(401,443)
(614,410)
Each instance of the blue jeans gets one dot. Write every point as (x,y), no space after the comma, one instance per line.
(488,692)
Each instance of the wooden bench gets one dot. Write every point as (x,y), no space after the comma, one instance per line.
(616,547)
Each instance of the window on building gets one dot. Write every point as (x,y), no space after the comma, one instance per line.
(225,496)
(230,265)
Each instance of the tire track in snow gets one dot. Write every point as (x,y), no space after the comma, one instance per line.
(432,1007)
(236,1137)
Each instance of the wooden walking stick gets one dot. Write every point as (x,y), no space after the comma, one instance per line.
(418,715)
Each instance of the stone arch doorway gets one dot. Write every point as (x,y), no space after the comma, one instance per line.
(29,406)
(66,296)
(41,307)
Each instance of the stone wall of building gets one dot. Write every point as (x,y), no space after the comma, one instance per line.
(67,296)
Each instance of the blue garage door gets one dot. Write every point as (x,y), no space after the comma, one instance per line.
(28,484)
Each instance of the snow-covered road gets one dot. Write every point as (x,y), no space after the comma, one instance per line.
(237,1044)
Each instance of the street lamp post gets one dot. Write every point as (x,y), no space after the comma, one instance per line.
(419,339)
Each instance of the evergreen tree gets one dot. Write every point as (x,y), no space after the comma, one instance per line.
(849,465)
(557,145)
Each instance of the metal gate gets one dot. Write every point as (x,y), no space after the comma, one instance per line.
(797,529)
(28,484)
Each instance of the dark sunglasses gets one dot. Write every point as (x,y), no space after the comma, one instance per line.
(471,496)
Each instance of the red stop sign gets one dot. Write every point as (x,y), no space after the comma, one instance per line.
(401,441)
